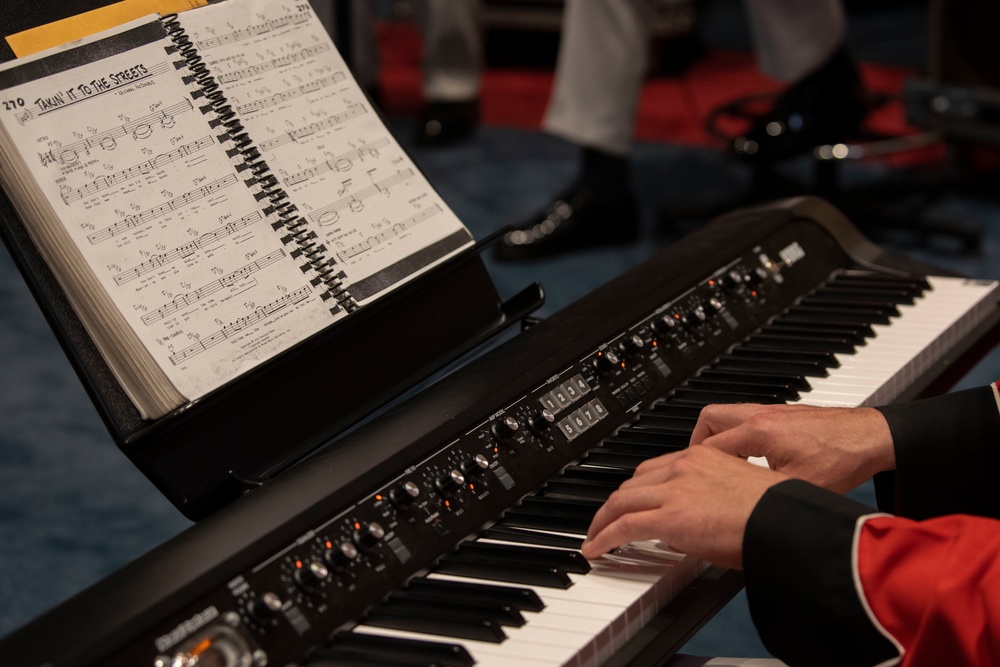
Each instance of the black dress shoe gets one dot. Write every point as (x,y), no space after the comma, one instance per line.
(825,107)
(443,123)
(579,219)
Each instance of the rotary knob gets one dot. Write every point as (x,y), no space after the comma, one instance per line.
(664,324)
(311,575)
(506,427)
(476,465)
(541,421)
(695,317)
(631,345)
(341,555)
(404,494)
(366,536)
(449,482)
(606,362)
(264,607)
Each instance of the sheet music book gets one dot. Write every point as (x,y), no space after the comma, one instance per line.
(210,189)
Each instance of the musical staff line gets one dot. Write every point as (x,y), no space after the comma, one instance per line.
(59,103)
(313,128)
(262,313)
(290,94)
(331,213)
(179,202)
(185,300)
(277,63)
(188,249)
(140,129)
(395,230)
(252,31)
(105,182)
(341,162)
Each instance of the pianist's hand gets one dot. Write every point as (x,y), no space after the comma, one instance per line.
(697,501)
(836,448)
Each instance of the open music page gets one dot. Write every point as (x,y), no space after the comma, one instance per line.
(380,220)
(157,235)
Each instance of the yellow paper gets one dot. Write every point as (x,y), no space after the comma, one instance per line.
(82,25)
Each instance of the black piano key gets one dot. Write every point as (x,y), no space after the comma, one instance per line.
(524,599)
(825,359)
(707,397)
(484,631)
(463,609)
(654,419)
(916,284)
(796,382)
(650,451)
(772,367)
(795,342)
(783,389)
(855,334)
(506,572)
(859,329)
(564,516)
(586,472)
(677,411)
(882,294)
(501,531)
(604,458)
(843,313)
(352,659)
(570,561)
(641,435)
(881,308)
(399,650)
(577,489)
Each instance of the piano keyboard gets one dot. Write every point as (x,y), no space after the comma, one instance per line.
(599,609)
(446,532)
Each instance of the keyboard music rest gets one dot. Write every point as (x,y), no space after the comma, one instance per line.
(333,538)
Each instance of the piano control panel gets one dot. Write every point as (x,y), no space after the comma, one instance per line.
(274,611)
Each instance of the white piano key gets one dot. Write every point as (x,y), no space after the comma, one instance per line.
(603,608)
(903,349)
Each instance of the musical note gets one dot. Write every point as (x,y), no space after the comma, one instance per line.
(395,230)
(186,250)
(104,182)
(185,300)
(284,96)
(277,63)
(354,201)
(295,135)
(341,162)
(260,314)
(106,140)
(252,31)
(155,212)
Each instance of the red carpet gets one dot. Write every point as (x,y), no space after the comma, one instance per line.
(673,109)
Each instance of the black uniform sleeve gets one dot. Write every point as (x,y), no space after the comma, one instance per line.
(797,560)
(947,455)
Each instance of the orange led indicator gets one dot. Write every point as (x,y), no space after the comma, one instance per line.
(472,487)
(202,646)
(298,564)
(378,496)
(447,503)
(329,544)
(357,525)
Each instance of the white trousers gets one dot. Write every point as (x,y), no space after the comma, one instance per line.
(603,57)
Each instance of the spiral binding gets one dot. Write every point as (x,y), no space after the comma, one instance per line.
(299,233)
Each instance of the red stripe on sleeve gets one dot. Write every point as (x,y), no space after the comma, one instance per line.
(934,586)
